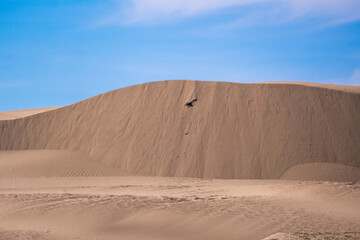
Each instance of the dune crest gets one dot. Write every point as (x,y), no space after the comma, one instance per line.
(229,130)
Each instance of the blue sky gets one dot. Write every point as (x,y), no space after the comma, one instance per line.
(57,52)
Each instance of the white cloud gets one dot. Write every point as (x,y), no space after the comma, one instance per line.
(157,11)
(355,77)
(11,84)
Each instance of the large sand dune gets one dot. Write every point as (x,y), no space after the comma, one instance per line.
(60,168)
(228,130)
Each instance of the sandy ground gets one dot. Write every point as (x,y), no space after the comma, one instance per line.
(177,208)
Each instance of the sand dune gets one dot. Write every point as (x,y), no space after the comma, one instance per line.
(8,115)
(228,130)
(62,170)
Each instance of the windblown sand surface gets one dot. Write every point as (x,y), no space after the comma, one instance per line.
(73,172)
(176,208)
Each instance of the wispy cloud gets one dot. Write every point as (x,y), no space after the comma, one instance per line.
(355,77)
(11,84)
(159,11)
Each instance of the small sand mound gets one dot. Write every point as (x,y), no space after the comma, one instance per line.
(8,115)
(283,236)
(315,236)
(322,172)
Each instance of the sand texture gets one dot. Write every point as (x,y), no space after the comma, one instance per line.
(272,161)
(201,129)
(175,208)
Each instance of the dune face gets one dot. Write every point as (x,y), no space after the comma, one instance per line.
(204,129)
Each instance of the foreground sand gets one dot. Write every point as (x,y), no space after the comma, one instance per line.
(58,194)
(177,208)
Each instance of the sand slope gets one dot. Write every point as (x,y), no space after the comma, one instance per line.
(231,131)
(51,163)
